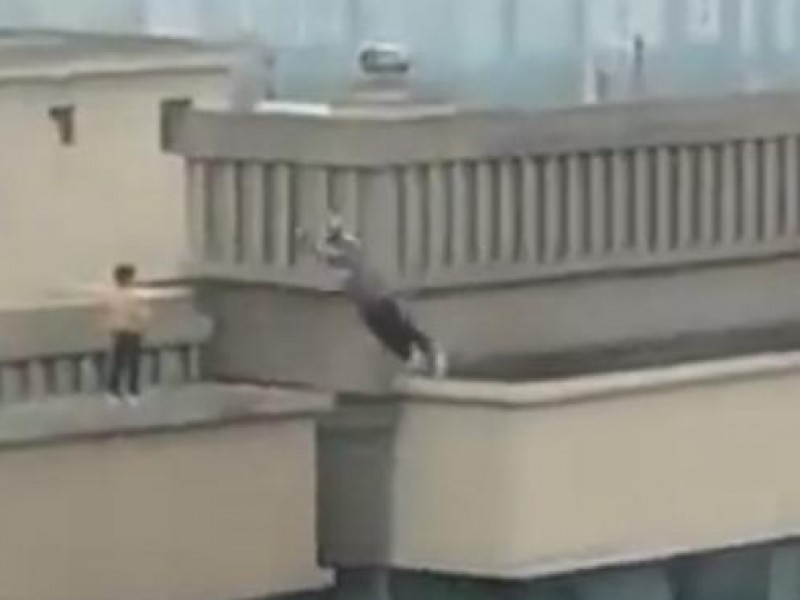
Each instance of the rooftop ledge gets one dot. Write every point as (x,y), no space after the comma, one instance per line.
(585,388)
(182,408)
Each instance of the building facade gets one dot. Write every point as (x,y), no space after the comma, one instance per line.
(83,176)
(500,53)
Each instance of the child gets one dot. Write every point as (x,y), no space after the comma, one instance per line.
(377,307)
(127,315)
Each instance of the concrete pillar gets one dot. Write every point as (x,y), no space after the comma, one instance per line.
(665,197)
(415,260)
(362,584)
(91,374)
(196,208)
(381,220)
(709,200)
(507,204)
(37,380)
(737,575)
(439,221)
(729,194)
(551,201)
(484,200)
(685,198)
(769,177)
(599,203)
(572,245)
(312,209)
(282,211)
(645,202)
(531,200)
(750,195)
(792,193)
(784,573)
(254,214)
(617,204)
(647,583)
(461,227)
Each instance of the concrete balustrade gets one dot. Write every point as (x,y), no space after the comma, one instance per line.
(513,233)
(59,348)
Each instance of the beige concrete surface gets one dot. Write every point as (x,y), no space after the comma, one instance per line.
(69,212)
(635,472)
(219,508)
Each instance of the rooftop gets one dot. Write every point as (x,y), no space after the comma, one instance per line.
(28,53)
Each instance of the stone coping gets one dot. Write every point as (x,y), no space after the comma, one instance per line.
(594,387)
(364,139)
(198,406)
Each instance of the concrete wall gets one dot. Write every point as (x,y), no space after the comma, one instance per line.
(205,494)
(71,211)
(520,480)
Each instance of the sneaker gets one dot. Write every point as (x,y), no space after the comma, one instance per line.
(133,400)
(112,399)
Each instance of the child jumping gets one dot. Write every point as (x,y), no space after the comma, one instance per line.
(376,305)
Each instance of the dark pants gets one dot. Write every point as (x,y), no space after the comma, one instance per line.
(126,348)
(394,329)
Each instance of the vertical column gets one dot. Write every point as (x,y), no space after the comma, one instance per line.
(195,209)
(171,368)
(530,209)
(65,376)
(412,194)
(254,214)
(312,208)
(91,374)
(381,220)
(708,196)
(770,174)
(349,198)
(790,168)
(619,205)
(283,222)
(224,220)
(644,201)
(550,201)
(663,201)
(13,390)
(37,379)
(438,217)
(729,195)
(460,214)
(685,199)
(574,213)
(750,194)
(599,203)
(508,215)
(483,201)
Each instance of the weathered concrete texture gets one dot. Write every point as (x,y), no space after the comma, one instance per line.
(187,407)
(347,141)
(735,575)
(355,470)
(646,583)
(203,503)
(266,333)
(785,573)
